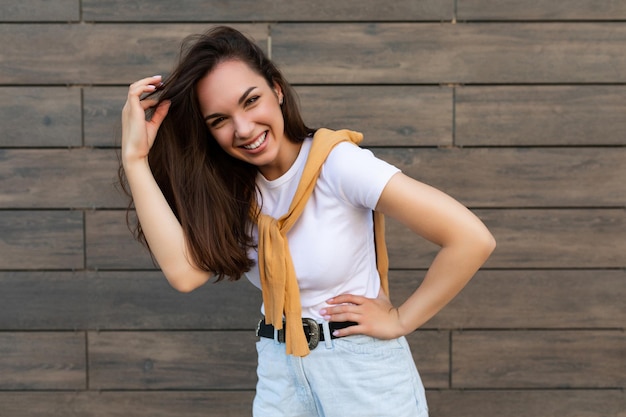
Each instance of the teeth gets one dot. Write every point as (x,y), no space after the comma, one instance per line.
(256,143)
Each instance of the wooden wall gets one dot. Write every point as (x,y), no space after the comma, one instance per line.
(515,107)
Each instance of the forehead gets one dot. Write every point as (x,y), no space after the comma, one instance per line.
(226,83)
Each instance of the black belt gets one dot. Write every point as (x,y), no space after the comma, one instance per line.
(313,331)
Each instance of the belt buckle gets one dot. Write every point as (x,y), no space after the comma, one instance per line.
(258,327)
(313,333)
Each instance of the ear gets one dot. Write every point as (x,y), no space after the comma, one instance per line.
(279,93)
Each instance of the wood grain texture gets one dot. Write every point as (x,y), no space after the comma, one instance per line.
(144,300)
(39,11)
(404,115)
(431,353)
(533,238)
(442,403)
(540,116)
(533,177)
(95,54)
(110,244)
(174,360)
(102,109)
(124,404)
(266,10)
(527,403)
(56,178)
(386,115)
(124,300)
(540,10)
(56,300)
(519,177)
(41,240)
(526,299)
(538,359)
(46,360)
(451,53)
(42,117)
(195,360)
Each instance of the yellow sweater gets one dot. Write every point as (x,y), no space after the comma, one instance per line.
(279,283)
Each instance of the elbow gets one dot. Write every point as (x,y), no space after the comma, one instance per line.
(487,244)
(186,282)
(182,287)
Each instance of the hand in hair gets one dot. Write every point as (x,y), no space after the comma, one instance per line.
(138,134)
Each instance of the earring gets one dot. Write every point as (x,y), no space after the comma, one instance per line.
(280,102)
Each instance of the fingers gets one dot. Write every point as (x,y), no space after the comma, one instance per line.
(145,85)
(375,317)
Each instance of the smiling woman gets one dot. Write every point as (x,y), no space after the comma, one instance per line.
(249,126)
(227,180)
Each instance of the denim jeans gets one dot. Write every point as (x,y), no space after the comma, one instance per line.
(350,376)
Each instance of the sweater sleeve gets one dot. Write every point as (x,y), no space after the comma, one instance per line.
(356,176)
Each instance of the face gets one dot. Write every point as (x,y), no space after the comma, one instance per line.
(243,114)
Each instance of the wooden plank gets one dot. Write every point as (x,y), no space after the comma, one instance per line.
(532,238)
(118,301)
(519,177)
(172,360)
(213,359)
(133,403)
(540,10)
(42,117)
(59,178)
(527,238)
(102,109)
(267,10)
(56,300)
(448,403)
(527,403)
(526,299)
(110,244)
(124,300)
(540,115)
(112,300)
(95,54)
(39,10)
(48,360)
(577,177)
(431,353)
(403,115)
(41,240)
(451,53)
(538,359)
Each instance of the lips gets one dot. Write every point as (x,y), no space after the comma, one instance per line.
(254,145)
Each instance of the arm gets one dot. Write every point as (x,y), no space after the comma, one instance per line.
(465,245)
(160,226)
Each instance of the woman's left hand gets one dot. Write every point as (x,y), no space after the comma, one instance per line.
(376,317)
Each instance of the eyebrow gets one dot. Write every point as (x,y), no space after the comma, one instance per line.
(241,100)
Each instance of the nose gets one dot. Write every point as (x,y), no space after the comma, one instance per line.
(243,127)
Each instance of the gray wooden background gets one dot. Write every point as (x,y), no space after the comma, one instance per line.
(515,107)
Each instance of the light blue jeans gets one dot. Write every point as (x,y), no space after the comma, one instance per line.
(350,376)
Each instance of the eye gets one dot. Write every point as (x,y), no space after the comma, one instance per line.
(252,100)
(217,121)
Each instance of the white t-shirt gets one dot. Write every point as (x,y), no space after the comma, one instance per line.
(332,243)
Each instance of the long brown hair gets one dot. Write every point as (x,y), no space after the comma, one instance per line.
(210,192)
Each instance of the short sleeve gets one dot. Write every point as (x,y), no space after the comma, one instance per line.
(356,175)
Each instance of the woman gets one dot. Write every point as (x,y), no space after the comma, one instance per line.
(227,180)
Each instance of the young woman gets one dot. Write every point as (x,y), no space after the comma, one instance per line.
(227,180)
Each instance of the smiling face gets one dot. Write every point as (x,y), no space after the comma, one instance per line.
(243,114)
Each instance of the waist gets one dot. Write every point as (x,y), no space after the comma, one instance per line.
(313,331)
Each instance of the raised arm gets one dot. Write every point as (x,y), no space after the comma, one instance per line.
(465,245)
(162,230)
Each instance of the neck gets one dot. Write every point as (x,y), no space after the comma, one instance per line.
(284,160)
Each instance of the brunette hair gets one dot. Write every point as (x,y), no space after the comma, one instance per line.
(211,193)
